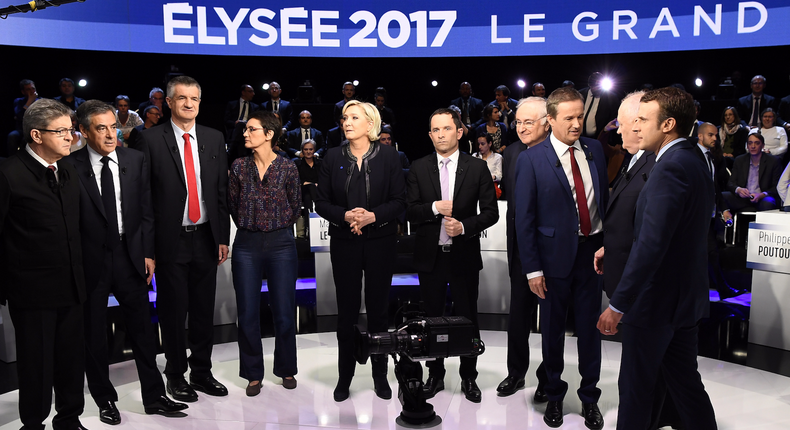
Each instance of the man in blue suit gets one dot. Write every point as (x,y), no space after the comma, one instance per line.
(663,292)
(557,240)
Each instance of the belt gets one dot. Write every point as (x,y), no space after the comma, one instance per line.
(583,239)
(446,247)
(191,228)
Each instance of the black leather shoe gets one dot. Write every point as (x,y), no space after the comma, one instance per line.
(180,390)
(729,292)
(108,413)
(592,416)
(341,390)
(509,386)
(208,385)
(432,386)
(164,406)
(553,415)
(540,396)
(471,390)
(382,387)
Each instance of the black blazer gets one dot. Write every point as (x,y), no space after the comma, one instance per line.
(476,107)
(607,110)
(232,115)
(745,106)
(769,173)
(294,139)
(286,113)
(169,186)
(721,177)
(136,210)
(473,186)
(386,191)
(619,222)
(39,233)
(508,186)
(334,138)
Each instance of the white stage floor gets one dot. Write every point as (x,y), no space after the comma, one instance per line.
(744,398)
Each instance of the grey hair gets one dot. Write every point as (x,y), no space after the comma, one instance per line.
(92,107)
(185,81)
(40,114)
(539,102)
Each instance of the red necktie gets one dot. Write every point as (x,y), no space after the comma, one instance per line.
(581,197)
(192,196)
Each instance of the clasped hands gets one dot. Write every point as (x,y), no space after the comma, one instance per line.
(452,226)
(358,218)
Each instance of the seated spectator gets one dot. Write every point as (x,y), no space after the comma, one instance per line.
(334,138)
(67,94)
(125,120)
(539,90)
(732,134)
(29,95)
(385,138)
(239,110)
(491,158)
(156,97)
(308,166)
(775,136)
(387,115)
(755,175)
(465,143)
(756,102)
(471,107)
(492,126)
(151,117)
(507,106)
(304,132)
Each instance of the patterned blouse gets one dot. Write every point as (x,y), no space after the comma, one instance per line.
(264,205)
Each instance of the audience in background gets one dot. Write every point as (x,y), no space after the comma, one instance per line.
(754,178)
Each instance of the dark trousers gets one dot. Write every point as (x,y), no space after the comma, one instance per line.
(122,279)
(273,253)
(463,285)
(582,289)
(350,258)
(661,352)
(715,273)
(523,303)
(186,284)
(738,203)
(50,352)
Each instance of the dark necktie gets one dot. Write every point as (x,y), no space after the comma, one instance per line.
(276,107)
(52,179)
(755,121)
(192,193)
(108,198)
(710,164)
(243,111)
(306,134)
(581,197)
(466,112)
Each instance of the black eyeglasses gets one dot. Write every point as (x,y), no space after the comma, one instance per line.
(59,132)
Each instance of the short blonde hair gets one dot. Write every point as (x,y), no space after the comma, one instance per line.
(371,113)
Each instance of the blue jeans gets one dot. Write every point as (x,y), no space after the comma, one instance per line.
(273,253)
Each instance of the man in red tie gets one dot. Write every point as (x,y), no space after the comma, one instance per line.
(561,192)
(189,183)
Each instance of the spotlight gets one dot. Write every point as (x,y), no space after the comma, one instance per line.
(521,83)
(265,86)
(434,83)
(698,82)
(607,84)
(82,83)
(356,83)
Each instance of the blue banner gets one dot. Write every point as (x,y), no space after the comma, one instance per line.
(427,28)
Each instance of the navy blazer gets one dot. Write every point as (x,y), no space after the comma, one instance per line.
(619,224)
(294,139)
(665,282)
(136,210)
(547,223)
(286,113)
(473,187)
(745,106)
(386,193)
(476,107)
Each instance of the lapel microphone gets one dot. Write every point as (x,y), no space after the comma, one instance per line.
(202,148)
(123,170)
(175,149)
(644,176)
(558,164)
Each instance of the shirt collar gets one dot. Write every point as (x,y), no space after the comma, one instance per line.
(453,157)
(667,146)
(36,157)
(180,132)
(560,147)
(95,157)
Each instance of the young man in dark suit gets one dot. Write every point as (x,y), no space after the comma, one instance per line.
(239,110)
(117,229)
(663,292)
(443,192)
(43,283)
(561,193)
(192,229)
(305,131)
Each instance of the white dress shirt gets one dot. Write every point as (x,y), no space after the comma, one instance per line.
(451,169)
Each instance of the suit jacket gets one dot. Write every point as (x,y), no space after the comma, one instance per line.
(294,138)
(721,177)
(337,111)
(473,186)
(619,224)
(784,110)
(508,186)
(546,214)
(745,106)
(665,281)
(476,107)
(136,211)
(386,191)
(77,101)
(286,113)
(511,116)
(768,173)
(232,115)
(40,235)
(607,109)
(334,138)
(169,185)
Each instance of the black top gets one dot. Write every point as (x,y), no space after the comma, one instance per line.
(307,173)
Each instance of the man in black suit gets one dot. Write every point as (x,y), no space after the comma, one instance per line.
(349,90)
(443,191)
(151,115)
(755,174)
(334,137)
(44,283)
(663,292)
(387,115)
(239,110)
(752,105)
(507,106)
(117,229)
(531,128)
(385,138)
(192,232)
(281,107)
(305,131)
(471,107)
(600,106)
